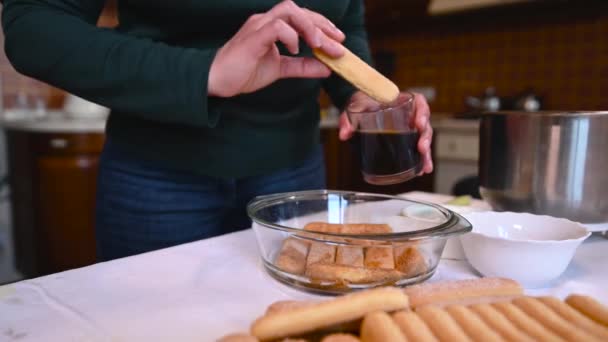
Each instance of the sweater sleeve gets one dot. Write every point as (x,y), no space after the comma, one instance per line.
(353,26)
(57,42)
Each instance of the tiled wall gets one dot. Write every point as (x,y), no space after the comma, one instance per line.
(564,58)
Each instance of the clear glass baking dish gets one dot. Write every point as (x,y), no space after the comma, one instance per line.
(338,241)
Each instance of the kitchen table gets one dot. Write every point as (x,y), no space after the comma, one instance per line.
(201,291)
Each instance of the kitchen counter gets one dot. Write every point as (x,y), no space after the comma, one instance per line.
(52,122)
(201,291)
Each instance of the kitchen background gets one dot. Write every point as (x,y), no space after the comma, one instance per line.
(556,49)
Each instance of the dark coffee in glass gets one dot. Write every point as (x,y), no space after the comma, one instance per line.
(385,139)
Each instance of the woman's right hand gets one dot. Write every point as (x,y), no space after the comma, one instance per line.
(250,60)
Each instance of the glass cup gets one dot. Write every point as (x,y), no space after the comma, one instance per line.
(386,138)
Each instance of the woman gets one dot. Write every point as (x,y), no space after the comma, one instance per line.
(213,103)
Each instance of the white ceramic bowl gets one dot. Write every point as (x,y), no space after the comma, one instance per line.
(531,249)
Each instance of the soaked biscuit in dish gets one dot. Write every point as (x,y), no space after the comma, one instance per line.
(321,253)
(345,275)
(292,256)
(409,260)
(350,256)
(379,257)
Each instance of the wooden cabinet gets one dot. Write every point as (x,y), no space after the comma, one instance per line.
(344,170)
(53,183)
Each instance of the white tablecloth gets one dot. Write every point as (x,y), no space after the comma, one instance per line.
(199,292)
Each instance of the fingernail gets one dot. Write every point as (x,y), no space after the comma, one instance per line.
(338,47)
(317,39)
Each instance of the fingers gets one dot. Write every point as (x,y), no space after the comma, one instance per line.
(422,124)
(292,67)
(317,31)
(272,31)
(346,129)
(326,25)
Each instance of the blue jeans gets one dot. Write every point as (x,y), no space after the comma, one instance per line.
(143,207)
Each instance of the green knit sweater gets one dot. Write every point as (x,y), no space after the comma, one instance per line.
(152,72)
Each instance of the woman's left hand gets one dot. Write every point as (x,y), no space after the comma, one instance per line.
(422,116)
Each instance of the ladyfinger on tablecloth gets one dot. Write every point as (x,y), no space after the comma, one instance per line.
(463,291)
(243,337)
(361,75)
(543,314)
(379,327)
(590,307)
(443,326)
(340,338)
(575,317)
(472,325)
(328,313)
(413,327)
(526,323)
(500,323)
(286,305)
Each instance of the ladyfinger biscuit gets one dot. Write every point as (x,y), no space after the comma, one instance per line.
(551,320)
(409,260)
(328,313)
(340,338)
(379,257)
(473,326)
(459,291)
(442,325)
(292,257)
(351,275)
(365,228)
(379,327)
(286,305)
(589,307)
(573,316)
(323,227)
(350,256)
(321,252)
(348,228)
(238,338)
(413,327)
(500,323)
(526,323)
(361,75)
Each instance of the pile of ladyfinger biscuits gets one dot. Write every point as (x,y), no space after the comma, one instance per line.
(486,309)
(354,261)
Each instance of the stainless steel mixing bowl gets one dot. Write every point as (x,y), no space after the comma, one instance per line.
(552,163)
